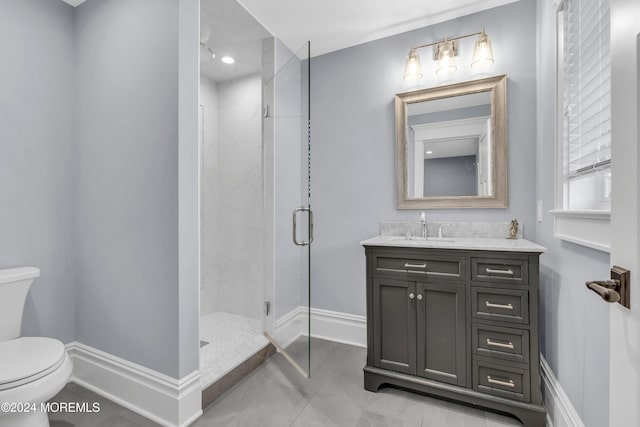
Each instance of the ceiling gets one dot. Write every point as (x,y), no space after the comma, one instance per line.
(331,25)
(228,29)
(456,147)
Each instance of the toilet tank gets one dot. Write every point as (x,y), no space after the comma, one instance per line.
(14,285)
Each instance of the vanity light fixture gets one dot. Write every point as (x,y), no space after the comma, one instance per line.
(445,51)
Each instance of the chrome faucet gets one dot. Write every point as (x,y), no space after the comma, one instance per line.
(423,225)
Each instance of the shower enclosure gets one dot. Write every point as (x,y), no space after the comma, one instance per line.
(287,155)
(255,172)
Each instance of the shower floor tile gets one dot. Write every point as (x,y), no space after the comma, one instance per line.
(232,339)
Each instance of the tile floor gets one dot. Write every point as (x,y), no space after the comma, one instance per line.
(232,339)
(275,395)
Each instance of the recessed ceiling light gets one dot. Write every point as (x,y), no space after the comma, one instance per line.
(429,152)
(227,60)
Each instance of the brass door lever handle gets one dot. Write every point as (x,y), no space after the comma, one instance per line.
(614,290)
(607,289)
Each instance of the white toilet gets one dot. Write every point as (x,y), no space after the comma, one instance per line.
(32,369)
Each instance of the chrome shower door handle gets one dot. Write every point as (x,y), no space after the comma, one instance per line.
(295,226)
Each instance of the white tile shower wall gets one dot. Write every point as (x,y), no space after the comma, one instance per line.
(209,196)
(232,205)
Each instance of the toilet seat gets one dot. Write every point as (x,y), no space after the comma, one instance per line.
(26,359)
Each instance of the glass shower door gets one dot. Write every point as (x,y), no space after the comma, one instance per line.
(287,118)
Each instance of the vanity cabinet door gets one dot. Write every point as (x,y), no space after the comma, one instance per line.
(441,332)
(394,323)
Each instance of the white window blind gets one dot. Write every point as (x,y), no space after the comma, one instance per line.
(587,87)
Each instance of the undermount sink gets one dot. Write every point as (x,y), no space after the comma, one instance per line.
(419,239)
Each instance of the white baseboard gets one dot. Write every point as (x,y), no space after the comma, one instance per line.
(327,325)
(339,327)
(158,397)
(291,326)
(560,411)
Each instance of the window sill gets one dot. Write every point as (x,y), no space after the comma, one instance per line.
(591,228)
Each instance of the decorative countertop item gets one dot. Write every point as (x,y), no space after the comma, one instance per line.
(513,229)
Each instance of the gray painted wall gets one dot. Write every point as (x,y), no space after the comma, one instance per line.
(450,176)
(353,141)
(36,157)
(188,12)
(127,180)
(575,322)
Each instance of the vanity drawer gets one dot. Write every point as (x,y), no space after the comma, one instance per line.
(501,380)
(443,268)
(386,264)
(500,270)
(501,343)
(505,305)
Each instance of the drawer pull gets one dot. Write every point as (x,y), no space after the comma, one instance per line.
(407,265)
(504,306)
(508,345)
(505,272)
(502,383)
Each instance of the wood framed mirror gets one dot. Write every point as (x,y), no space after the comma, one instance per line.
(451,146)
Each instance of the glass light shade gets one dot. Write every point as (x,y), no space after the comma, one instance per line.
(482,53)
(446,60)
(413,69)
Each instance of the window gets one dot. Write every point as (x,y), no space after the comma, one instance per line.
(583,176)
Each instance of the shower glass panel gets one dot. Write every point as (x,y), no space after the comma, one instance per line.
(287,118)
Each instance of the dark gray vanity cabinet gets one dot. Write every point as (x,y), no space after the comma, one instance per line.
(441,333)
(455,323)
(394,316)
(420,328)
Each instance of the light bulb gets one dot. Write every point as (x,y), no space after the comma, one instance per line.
(446,63)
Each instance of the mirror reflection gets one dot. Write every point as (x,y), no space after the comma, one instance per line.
(449,146)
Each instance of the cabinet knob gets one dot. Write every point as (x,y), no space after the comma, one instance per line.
(411,295)
(419,297)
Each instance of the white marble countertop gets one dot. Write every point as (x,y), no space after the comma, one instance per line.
(469,243)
